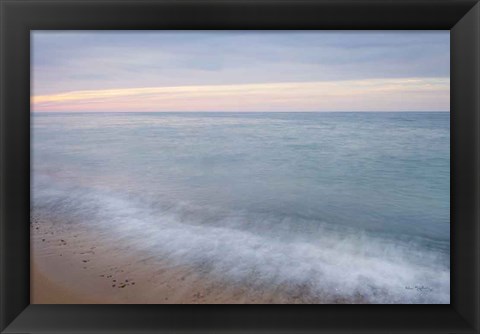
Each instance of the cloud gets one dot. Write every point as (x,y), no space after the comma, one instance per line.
(420,94)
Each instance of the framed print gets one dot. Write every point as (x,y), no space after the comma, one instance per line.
(271,175)
(261,153)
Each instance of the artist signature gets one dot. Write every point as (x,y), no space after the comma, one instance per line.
(419,288)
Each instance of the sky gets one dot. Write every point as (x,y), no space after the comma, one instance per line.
(142,71)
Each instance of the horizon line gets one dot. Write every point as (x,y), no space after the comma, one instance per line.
(233,112)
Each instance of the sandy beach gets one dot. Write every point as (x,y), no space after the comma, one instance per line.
(70,266)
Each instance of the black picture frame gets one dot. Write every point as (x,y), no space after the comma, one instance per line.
(19,17)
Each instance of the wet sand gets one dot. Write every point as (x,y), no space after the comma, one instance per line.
(71,266)
(45,291)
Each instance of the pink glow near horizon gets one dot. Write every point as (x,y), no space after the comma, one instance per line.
(349,95)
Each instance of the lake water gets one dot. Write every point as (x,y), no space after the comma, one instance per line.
(347,204)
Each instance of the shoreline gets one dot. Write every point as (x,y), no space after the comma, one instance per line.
(80,264)
(71,266)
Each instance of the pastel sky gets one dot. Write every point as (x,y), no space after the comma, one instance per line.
(240,71)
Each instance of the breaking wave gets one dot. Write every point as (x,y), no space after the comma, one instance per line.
(331,263)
